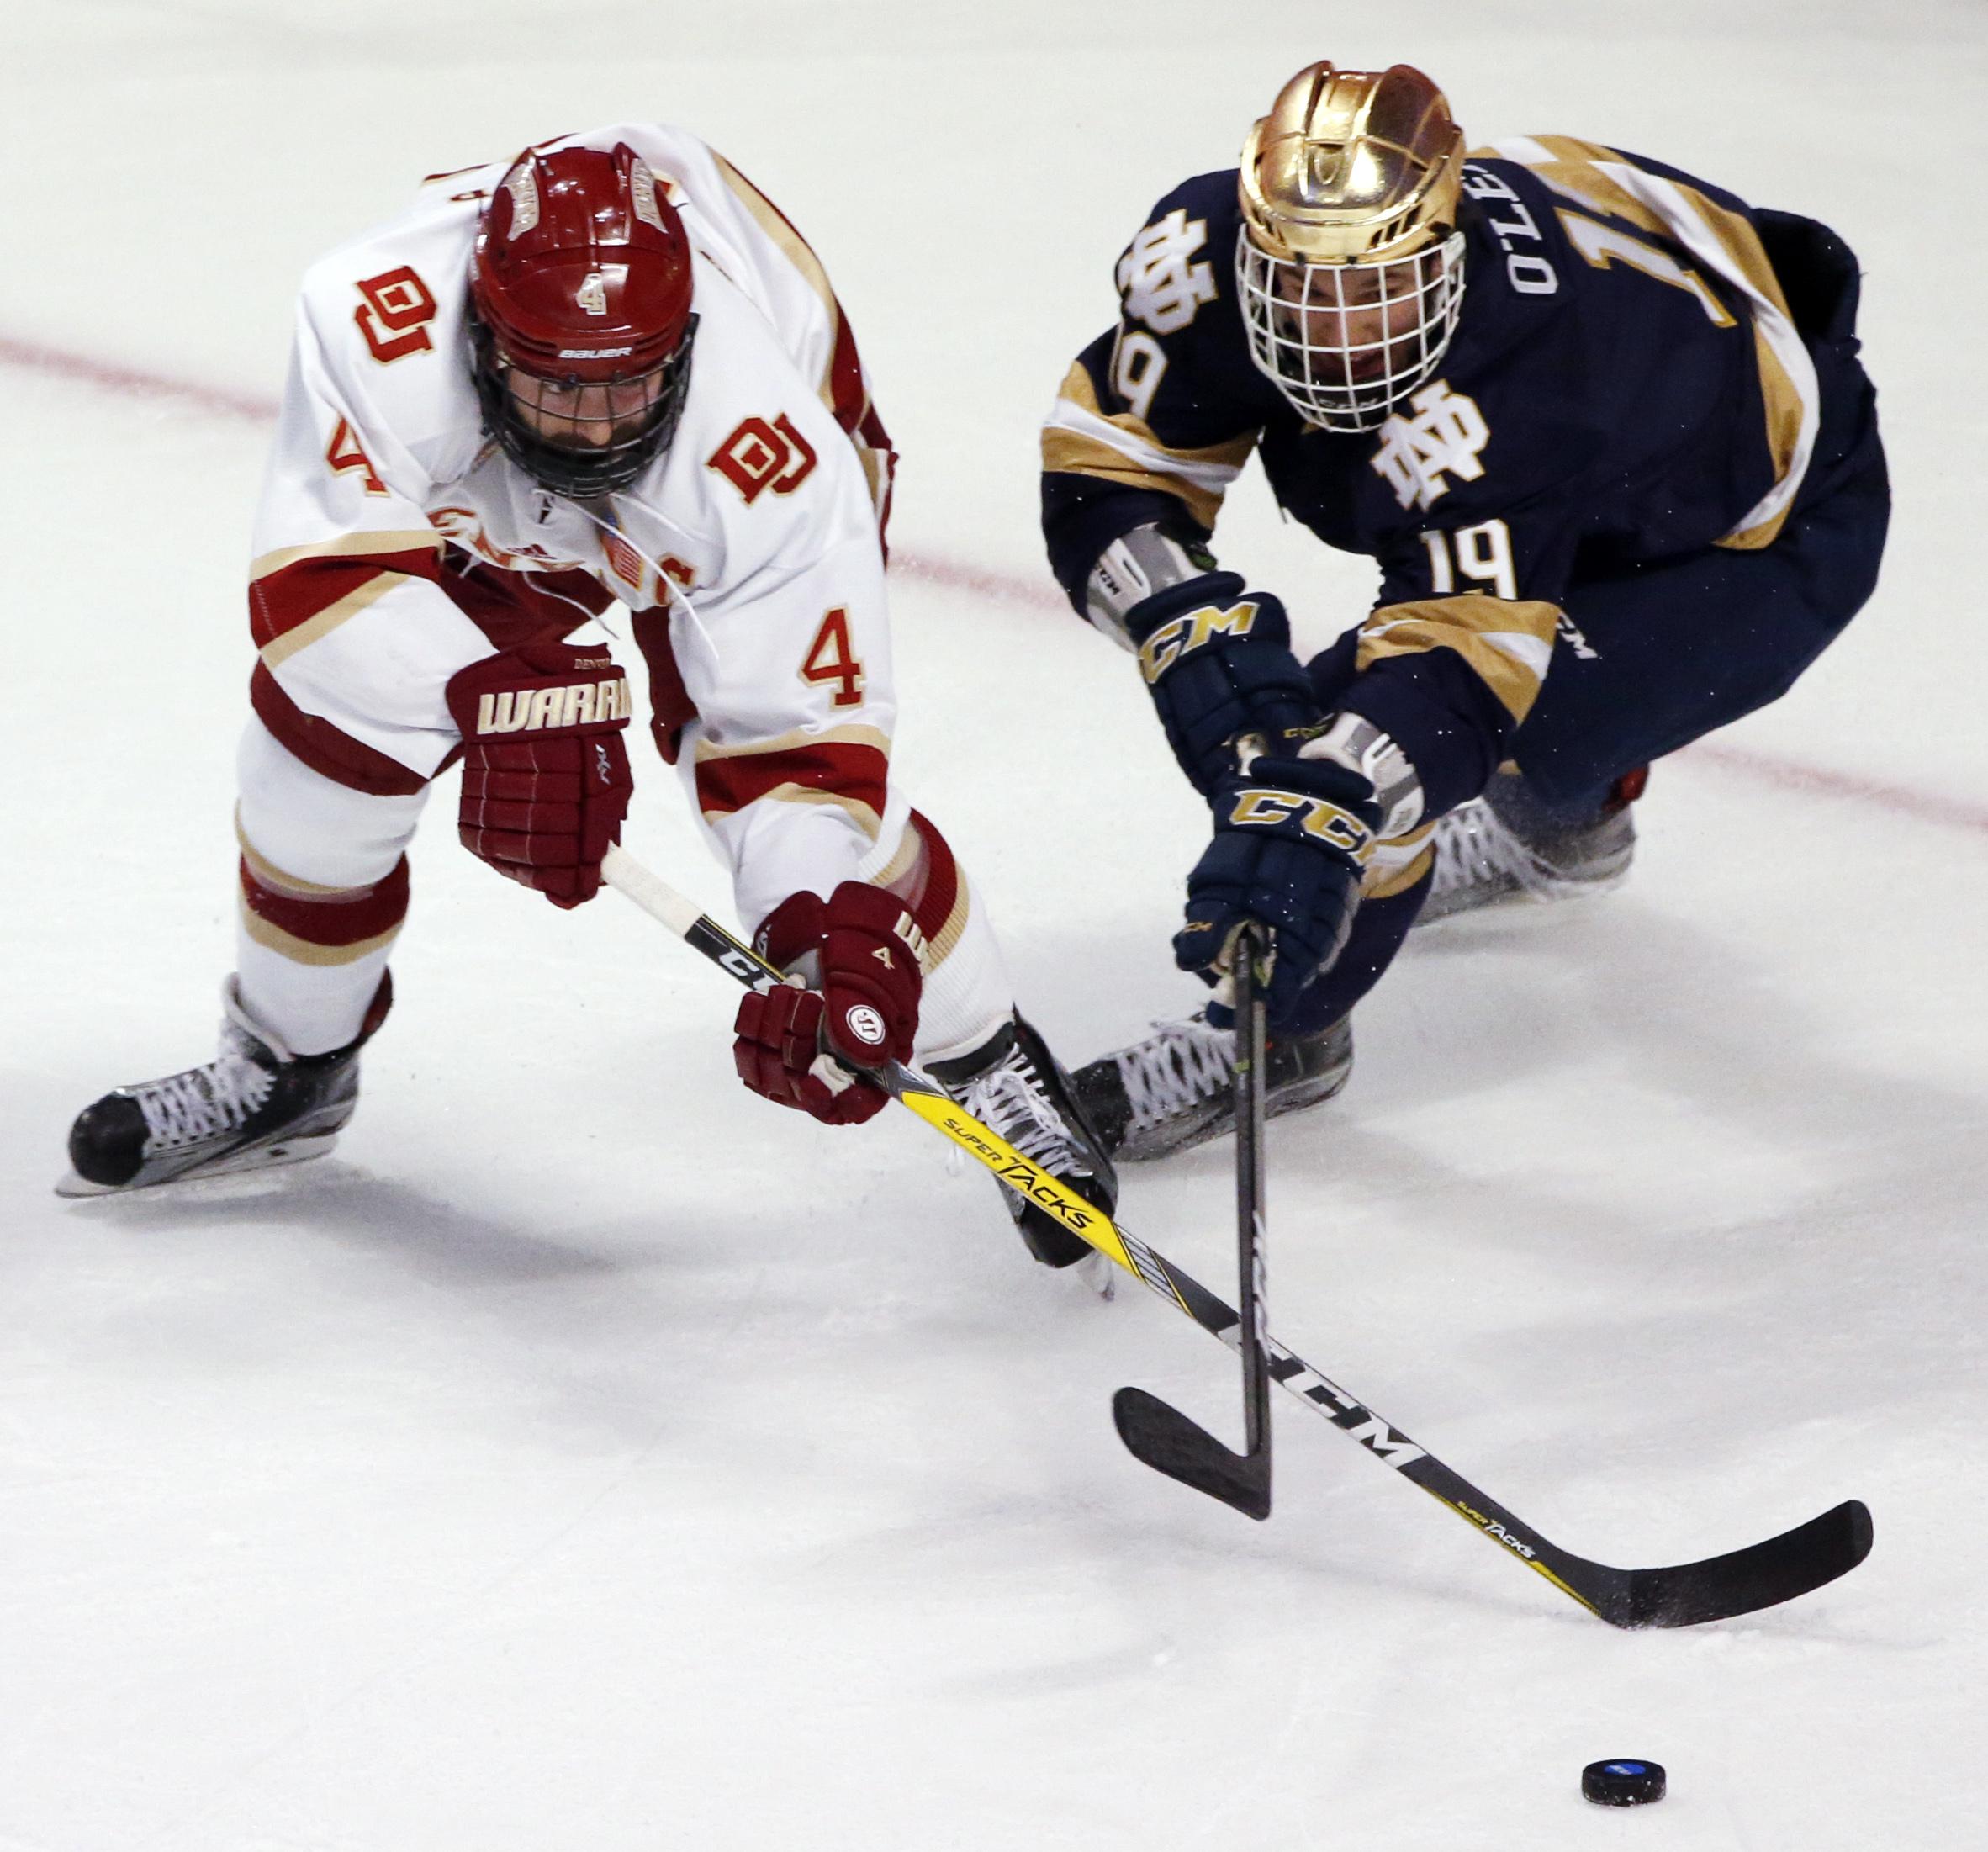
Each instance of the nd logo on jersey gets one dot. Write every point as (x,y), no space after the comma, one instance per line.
(1159,285)
(1444,436)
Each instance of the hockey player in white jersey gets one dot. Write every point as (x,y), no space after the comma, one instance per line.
(610,371)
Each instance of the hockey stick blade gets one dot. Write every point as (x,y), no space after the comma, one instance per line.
(1159,1435)
(1763,1575)
(1154,1432)
(1742,1581)
(1796,1562)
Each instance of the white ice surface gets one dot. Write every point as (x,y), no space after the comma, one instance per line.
(587,1456)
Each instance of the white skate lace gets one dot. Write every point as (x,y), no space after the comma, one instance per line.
(1009,1099)
(1474,849)
(183,1109)
(1179,1067)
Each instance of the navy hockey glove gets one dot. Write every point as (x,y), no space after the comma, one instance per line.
(1292,840)
(1218,659)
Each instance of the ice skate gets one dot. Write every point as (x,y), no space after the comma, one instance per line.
(1505,846)
(1177,1089)
(1014,1085)
(254,1105)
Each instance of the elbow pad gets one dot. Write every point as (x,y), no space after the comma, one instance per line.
(1150,558)
(1360,746)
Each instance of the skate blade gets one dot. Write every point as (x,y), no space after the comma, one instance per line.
(1151,1146)
(271,1156)
(1509,900)
(1099,1274)
(1147,1143)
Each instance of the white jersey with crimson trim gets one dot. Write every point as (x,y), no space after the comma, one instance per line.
(757,531)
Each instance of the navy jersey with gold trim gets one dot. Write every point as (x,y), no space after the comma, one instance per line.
(1626,384)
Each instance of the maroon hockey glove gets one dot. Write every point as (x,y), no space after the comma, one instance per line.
(862,947)
(545,773)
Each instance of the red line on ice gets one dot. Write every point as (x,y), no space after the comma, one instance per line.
(1014,589)
(1927,807)
(133,382)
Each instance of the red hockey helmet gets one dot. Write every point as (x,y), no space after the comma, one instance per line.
(580,284)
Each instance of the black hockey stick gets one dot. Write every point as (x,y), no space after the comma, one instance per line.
(1156,1432)
(1761,1576)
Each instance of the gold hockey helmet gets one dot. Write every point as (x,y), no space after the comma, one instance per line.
(1348,260)
(1353,166)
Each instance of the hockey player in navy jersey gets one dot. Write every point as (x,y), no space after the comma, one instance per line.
(1604,429)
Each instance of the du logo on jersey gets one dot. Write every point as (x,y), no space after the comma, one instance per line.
(1161,286)
(1444,437)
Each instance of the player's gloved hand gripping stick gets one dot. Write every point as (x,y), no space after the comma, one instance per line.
(1759,1576)
(1292,837)
(809,1047)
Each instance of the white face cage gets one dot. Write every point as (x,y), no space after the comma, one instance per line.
(1344,343)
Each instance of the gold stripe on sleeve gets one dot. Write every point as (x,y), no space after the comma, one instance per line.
(910,846)
(347,547)
(1396,865)
(279,651)
(1065,452)
(1507,643)
(938,947)
(1081,438)
(941,943)
(1726,242)
(782,236)
(1786,412)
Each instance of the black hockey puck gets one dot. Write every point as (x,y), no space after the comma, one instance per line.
(1622,1782)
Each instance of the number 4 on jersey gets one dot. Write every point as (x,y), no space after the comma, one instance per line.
(345,452)
(830,658)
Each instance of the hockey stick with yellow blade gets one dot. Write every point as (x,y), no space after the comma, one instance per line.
(1682,1594)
